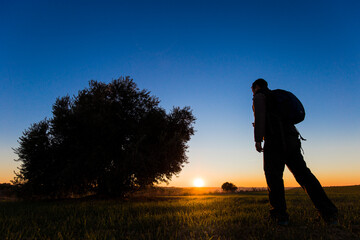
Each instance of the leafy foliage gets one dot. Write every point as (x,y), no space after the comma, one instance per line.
(228,187)
(109,139)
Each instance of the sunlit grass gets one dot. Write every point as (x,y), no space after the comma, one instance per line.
(240,216)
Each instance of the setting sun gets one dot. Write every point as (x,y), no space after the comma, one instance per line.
(198,182)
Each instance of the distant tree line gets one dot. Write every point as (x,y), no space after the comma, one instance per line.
(230,187)
(6,190)
(109,139)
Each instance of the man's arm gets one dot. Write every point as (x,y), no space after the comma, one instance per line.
(259,108)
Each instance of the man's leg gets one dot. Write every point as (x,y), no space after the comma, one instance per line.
(307,180)
(274,168)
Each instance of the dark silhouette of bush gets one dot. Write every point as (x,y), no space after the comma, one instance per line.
(228,187)
(109,139)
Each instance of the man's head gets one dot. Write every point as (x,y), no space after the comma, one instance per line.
(259,84)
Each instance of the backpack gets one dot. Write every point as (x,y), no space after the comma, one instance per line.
(287,106)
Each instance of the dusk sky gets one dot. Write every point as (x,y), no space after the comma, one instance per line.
(202,54)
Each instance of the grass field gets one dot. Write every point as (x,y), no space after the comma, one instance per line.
(238,216)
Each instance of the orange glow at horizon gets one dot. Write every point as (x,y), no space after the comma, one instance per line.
(346,178)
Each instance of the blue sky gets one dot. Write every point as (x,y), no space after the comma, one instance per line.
(204,54)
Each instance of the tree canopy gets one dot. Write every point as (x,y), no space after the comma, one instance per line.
(109,139)
(228,187)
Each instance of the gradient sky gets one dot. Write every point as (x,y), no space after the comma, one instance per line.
(203,54)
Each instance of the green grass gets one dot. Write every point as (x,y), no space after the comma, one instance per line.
(239,216)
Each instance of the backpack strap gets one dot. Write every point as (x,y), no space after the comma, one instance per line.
(301,137)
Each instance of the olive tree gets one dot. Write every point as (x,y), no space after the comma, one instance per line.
(109,139)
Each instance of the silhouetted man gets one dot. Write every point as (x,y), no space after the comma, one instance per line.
(283,147)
